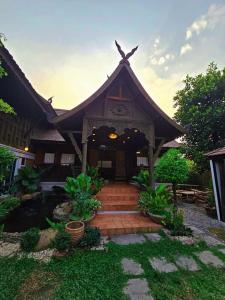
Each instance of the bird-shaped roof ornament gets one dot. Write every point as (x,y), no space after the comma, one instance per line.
(125,57)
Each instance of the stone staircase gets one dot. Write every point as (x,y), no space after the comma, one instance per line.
(119,214)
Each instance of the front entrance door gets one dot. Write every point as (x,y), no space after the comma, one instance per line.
(120,165)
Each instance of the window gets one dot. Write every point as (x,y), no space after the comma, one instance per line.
(107,164)
(67,159)
(49,158)
(142,161)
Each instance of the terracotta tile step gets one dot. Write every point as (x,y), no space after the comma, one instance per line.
(124,224)
(120,205)
(125,197)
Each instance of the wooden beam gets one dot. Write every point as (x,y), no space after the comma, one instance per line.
(76,147)
(150,165)
(157,152)
(84,161)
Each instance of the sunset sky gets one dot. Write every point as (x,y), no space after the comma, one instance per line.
(66,47)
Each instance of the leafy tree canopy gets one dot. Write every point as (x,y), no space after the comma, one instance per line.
(172,167)
(201,110)
(4,107)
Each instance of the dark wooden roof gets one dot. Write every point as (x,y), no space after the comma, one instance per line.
(11,66)
(171,128)
(216,153)
(47,135)
(172,144)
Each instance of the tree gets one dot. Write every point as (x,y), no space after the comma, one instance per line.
(6,160)
(4,107)
(172,167)
(201,110)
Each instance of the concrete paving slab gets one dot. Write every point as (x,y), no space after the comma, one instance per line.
(131,267)
(138,289)
(210,259)
(161,265)
(187,263)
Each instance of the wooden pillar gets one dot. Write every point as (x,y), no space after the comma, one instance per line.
(84,158)
(151,164)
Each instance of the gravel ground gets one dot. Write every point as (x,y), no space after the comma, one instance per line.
(196,216)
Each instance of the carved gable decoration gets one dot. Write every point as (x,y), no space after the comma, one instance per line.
(119,91)
(119,109)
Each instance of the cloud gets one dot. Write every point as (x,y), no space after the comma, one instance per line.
(215,15)
(185,48)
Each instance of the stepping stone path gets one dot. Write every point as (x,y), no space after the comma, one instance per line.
(187,263)
(160,264)
(154,237)
(210,259)
(138,289)
(131,267)
(128,239)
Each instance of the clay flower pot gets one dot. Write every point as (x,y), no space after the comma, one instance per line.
(76,230)
(157,218)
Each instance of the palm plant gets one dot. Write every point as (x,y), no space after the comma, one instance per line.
(27,181)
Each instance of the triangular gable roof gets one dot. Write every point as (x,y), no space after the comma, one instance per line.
(123,65)
(8,59)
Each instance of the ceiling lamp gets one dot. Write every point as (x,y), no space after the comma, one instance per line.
(138,152)
(26,149)
(113,135)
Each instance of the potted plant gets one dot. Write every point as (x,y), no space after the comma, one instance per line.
(96,181)
(155,202)
(142,179)
(84,205)
(26,183)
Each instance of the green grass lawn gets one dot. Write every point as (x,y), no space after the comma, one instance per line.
(98,275)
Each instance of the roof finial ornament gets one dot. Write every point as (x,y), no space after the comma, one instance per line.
(127,56)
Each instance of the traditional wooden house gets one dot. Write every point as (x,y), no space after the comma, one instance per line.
(119,128)
(217,167)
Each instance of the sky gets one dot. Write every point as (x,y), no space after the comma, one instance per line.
(66,47)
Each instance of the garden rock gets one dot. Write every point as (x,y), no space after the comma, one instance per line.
(62,211)
(44,255)
(9,249)
(46,238)
(154,237)
(187,263)
(210,259)
(160,264)
(128,239)
(138,289)
(131,267)
(185,240)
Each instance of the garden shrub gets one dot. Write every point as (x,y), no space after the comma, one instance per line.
(27,180)
(30,239)
(8,205)
(62,241)
(175,223)
(79,190)
(91,237)
(143,178)
(6,160)
(154,201)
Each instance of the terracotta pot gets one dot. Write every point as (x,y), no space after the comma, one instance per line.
(26,197)
(157,218)
(90,219)
(76,230)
